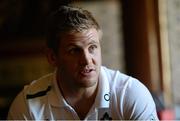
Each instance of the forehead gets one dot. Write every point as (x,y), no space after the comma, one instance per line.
(85,36)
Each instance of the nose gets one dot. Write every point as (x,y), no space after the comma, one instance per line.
(86,58)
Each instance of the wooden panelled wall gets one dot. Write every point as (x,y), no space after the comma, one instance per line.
(144,46)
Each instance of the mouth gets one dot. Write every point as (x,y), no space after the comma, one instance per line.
(87,71)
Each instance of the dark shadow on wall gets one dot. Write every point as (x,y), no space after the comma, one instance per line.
(19,21)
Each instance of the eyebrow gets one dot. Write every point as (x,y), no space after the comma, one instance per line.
(76,45)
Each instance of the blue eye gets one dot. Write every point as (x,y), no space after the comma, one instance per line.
(92,48)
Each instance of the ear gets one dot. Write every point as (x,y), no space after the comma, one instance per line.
(51,57)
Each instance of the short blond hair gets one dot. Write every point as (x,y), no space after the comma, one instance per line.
(68,19)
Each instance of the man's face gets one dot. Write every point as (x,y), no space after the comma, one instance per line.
(79,58)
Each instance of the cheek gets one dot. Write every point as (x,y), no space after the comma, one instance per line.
(99,55)
(70,64)
(67,67)
(97,58)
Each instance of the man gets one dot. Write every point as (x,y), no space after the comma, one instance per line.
(81,88)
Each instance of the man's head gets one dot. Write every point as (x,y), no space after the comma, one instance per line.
(68,19)
(74,40)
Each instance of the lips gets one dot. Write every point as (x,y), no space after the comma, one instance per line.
(87,71)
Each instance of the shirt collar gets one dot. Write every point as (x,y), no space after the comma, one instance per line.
(102,99)
(55,97)
(103,95)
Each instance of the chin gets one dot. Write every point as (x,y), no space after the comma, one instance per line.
(89,83)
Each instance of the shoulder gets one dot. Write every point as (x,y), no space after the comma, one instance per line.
(30,97)
(18,109)
(130,98)
(116,78)
(39,87)
(120,81)
(136,100)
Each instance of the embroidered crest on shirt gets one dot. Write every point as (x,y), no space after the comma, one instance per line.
(104,114)
(106,117)
(107,97)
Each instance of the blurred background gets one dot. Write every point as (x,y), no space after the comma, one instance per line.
(140,38)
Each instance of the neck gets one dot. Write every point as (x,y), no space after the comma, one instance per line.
(73,94)
(81,99)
